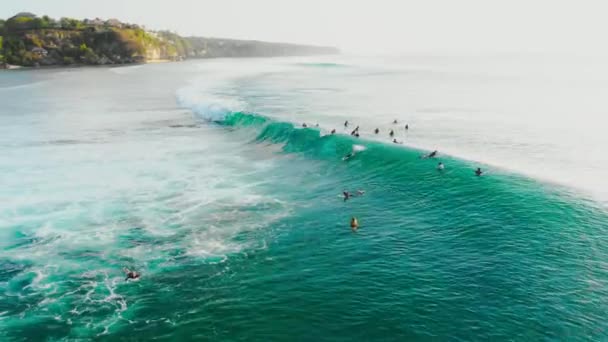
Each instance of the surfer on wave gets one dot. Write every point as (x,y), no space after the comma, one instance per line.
(348,156)
(356,148)
(430,155)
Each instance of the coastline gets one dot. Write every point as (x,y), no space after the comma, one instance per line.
(43,42)
(152,61)
(78,66)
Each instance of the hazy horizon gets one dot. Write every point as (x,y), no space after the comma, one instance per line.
(381,27)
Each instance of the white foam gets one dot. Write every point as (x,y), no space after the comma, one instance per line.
(358,148)
(78,213)
(23,86)
(208,106)
(123,70)
(206,94)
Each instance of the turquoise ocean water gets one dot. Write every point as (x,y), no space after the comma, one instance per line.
(200,176)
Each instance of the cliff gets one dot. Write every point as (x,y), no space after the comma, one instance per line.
(216,47)
(28,40)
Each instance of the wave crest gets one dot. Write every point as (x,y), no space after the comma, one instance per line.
(207,106)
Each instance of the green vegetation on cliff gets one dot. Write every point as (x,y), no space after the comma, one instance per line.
(28,40)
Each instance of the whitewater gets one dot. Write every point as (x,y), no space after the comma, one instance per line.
(201,176)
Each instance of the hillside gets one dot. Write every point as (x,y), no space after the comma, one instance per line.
(215,47)
(29,40)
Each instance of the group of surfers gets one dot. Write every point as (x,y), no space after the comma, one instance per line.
(354,223)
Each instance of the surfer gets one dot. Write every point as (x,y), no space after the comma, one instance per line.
(355,131)
(376,131)
(430,155)
(391,133)
(407,127)
(345,123)
(354,224)
(478,172)
(440,166)
(333,131)
(317,125)
(357,135)
(348,195)
(348,156)
(395,122)
(304,125)
(131,274)
(356,148)
(396,142)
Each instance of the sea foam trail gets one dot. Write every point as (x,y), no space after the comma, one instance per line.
(152,190)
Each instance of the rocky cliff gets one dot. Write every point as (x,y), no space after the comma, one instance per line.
(29,40)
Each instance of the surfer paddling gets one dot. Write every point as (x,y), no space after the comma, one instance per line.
(354,224)
(131,274)
(347,194)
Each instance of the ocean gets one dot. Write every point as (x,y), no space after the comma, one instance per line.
(201,176)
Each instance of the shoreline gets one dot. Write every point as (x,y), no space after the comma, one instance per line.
(12,67)
(78,66)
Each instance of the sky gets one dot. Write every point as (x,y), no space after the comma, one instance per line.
(361,26)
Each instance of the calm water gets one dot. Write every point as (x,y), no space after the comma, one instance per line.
(199,176)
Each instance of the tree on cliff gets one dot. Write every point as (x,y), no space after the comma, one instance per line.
(28,40)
